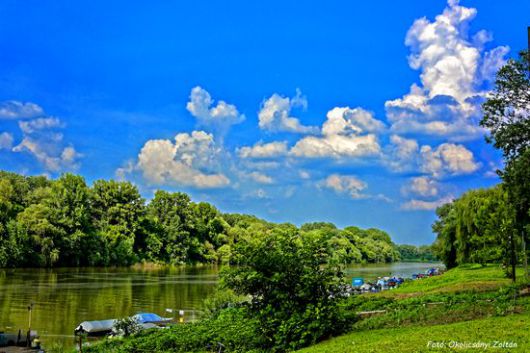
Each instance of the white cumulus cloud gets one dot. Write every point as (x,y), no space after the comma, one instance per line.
(346,133)
(455,72)
(188,161)
(219,116)
(275,114)
(336,146)
(346,121)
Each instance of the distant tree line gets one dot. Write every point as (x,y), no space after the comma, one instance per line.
(493,225)
(416,253)
(65,222)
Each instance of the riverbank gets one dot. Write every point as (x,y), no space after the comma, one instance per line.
(467,309)
(467,305)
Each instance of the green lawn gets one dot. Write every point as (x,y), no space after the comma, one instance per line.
(463,278)
(513,328)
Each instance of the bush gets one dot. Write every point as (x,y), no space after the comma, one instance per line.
(231,327)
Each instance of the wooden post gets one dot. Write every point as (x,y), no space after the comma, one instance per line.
(81,343)
(28,339)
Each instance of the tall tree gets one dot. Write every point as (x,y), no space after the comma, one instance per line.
(507,117)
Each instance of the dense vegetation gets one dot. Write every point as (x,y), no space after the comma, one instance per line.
(493,225)
(65,222)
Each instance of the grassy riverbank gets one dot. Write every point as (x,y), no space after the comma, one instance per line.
(509,331)
(466,309)
(464,278)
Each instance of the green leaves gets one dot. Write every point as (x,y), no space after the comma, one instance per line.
(506,112)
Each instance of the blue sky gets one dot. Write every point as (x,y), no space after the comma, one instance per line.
(358,113)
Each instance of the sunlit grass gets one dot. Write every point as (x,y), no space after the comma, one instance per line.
(512,328)
(463,278)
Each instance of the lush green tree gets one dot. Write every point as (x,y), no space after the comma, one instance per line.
(293,286)
(117,213)
(506,111)
(507,117)
(172,213)
(475,228)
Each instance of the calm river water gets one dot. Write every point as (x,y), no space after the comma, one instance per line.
(65,297)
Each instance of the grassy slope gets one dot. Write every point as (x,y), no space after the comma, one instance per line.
(465,278)
(514,328)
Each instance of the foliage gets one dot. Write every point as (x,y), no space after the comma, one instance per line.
(294,287)
(65,222)
(506,112)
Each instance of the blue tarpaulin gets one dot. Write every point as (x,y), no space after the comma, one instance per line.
(356,282)
(147,317)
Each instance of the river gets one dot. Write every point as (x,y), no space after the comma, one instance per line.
(65,297)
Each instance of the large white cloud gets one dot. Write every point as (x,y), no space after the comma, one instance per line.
(346,121)
(188,161)
(222,115)
(275,114)
(336,146)
(19,110)
(346,133)
(455,68)
(264,150)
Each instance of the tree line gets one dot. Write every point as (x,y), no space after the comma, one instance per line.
(65,222)
(493,225)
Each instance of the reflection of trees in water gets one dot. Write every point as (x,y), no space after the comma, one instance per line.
(66,297)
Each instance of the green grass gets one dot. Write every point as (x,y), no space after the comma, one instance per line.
(513,328)
(464,278)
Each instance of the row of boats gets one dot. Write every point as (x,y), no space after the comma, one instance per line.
(359,286)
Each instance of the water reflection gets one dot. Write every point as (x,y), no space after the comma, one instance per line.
(65,297)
